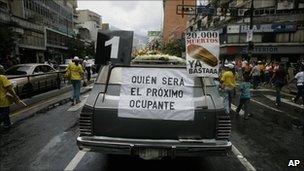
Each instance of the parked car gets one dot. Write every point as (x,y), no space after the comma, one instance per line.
(63,67)
(108,125)
(33,78)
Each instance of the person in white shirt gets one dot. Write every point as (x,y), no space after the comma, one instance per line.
(87,66)
(300,85)
(255,73)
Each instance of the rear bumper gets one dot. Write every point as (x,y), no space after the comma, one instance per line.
(109,145)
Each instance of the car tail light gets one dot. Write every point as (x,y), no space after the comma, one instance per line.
(85,122)
(223,127)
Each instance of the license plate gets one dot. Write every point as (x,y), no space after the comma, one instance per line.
(149,154)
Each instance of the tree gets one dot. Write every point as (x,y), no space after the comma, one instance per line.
(8,40)
(174,47)
(77,47)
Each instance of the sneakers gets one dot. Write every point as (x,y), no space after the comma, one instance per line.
(293,99)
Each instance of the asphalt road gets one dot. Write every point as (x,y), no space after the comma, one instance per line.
(47,141)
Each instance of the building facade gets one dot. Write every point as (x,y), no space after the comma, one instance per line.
(278,32)
(174,25)
(45,27)
(89,20)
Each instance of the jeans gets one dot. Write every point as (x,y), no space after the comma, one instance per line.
(256,81)
(76,89)
(278,95)
(300,93)
(4,116)
(278,85)
(267,78)
(228,94)
(243,103)
(88,69)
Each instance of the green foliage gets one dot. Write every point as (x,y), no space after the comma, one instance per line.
(156,44)
(77,47)
(174,47)
(7,40)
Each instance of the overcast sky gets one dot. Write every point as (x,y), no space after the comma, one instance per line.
(140,16)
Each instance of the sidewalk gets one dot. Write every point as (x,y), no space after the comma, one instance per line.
(43,103)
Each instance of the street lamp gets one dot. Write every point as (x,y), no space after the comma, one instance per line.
(250,43)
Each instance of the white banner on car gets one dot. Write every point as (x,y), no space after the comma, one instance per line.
(162,94)
(202,53)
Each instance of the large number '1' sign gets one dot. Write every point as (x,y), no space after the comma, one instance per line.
(114,42)
(114,46)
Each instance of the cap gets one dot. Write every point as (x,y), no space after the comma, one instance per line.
(230,65)
(76,58)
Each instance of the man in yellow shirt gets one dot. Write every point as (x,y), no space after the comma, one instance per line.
(6,88)
(228,84)
(75,74)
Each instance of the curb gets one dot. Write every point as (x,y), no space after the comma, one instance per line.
(46,108)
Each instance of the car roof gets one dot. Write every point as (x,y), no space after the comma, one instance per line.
(31,64)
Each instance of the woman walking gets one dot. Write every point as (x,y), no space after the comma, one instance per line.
(75,74)
(279,79)
(228,84)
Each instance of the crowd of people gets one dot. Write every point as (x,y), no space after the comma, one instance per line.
(254,75)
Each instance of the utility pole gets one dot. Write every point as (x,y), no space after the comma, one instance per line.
(250,43)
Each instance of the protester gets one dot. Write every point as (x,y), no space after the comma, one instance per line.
(75,74)
(228,84)
(300,85)
(262,71)
(244,96)
(7,97)
(255,73)
(87,66)
(279,80)
(246,69)
(268,73)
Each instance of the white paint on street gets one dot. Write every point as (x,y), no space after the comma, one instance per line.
(242,159)
(270,90)
(277,110)
(284,101)
(79,105)
(74,162)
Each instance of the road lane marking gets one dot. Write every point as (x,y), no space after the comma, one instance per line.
(277,110)
(269,90)
(284,101)
(79,105)
(242,159)
(74,162)
(30,108)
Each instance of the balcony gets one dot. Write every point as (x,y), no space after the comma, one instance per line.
(19,22)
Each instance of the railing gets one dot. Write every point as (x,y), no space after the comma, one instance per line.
(29,87)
